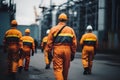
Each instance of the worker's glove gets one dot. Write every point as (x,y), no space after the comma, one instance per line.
(42,50)
(72,56)
(32,53)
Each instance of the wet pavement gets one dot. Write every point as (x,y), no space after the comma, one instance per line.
(106,67)
(35,74)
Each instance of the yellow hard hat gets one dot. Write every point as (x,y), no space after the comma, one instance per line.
(14,23)
(62,16)
(27,31)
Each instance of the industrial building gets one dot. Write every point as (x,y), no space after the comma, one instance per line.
(103,15)
(7,13)
(34,30)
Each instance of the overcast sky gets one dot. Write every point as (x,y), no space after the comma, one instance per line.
(25,11)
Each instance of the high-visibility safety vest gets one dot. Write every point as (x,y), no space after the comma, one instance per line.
(64,38)
(89,39)
(90,42)
(28,41)
(13,36)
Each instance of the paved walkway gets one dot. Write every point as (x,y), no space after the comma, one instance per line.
(37,72)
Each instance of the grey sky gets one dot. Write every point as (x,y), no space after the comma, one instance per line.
(25,11)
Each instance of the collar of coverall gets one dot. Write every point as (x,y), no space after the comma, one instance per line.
(62,23)
(13,28)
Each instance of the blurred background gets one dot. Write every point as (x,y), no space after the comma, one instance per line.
(40,15)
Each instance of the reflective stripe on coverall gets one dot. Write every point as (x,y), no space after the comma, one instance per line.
(13,43)
(64,45)
(43,45)
(28,45)
(89,42)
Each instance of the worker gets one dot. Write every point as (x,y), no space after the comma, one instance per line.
(48,57)
(89,43)
(28,48)
(63,46)
(12,41)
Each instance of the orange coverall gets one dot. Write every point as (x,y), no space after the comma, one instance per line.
(43,45)
(28,47)
(13,44)
(64,45)
(89,42)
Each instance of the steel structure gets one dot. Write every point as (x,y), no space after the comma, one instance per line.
(103,15)
(7,13)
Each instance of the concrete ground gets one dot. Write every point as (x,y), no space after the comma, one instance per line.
(105,67)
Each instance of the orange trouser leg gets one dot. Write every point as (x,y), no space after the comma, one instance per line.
(9,64)
(61,62)
(84,58)
(20,62)
(27,61)
(58,67)
(90,60)
(13,62)
(46,58)
(14,66)
(87,58)
(66,64)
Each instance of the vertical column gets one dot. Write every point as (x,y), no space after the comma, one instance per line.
(113,15)
(101,22)
(86,14)
(101,15)
(54,12)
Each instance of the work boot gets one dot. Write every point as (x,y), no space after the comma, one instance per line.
(26,69)
(13,76)
(85,71)
(89,71)
(20,69)
(47,66)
